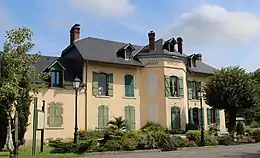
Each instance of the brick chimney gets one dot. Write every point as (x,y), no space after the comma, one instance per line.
(74,33)
(151,36)
(179,43)
(200,57)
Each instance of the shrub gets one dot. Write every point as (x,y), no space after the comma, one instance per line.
(129,140)
(256,134)
(213,130)
(146,141)
(211,140)
(90,134)
(151,126)
(177,131)
(112,145)
(254,124)
(61,147)
(180,142)
(245,139)
(240,129)
(86,145)
(193,135)
(165,142)
(225,140)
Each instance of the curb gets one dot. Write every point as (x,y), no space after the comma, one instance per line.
(121,152)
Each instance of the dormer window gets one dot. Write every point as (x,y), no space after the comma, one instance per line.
(128,54)
(170,45)
(125,52)
(56,78)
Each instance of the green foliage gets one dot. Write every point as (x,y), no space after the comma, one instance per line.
(151,126)
(232,89)
(18,77)
(225,140)
(240,128)
(118,124)
(213,130)
(61,147)
(255,133)
(254,124)
(130,141)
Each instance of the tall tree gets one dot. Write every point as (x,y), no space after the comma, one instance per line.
(231,89)
(17,82)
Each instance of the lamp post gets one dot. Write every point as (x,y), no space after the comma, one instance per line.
(200,94)
(76,84)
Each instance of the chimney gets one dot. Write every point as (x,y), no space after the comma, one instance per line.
(74,33)
(179,42)
(200,57)
(151,36)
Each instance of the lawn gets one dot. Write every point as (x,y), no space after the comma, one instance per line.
(27,153)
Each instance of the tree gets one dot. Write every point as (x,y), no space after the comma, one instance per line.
(118,124)
(231,89)
(17,82)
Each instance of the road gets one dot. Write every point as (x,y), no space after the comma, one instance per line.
(236,151)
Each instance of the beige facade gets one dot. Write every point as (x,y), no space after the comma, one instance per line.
(149,100)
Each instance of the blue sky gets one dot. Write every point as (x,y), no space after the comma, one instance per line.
(227,33)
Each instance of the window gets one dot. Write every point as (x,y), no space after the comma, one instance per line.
(102,84)
(55,78)
(130,117)
(103,116)
(195,117)
(193,88)
(174,86)
(175,118)
(213,116)
(129,86)
(55,118)
(128,54)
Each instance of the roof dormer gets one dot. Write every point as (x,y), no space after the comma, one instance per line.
(170,45)
(126,52)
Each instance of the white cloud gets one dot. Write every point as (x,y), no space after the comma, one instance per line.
(106,8)
(213,24)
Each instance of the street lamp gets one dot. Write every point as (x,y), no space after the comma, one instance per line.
(76,84)
(200,94)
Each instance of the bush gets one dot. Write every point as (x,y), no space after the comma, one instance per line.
(255,134)
(193,135)
(112,145)
(213,130)
(61,147)
(165,142)
(90,134)
(245,139)
(240,129)
(254,124)
(86,145)
(151,126)
(177,131)
(130,141)
(225,140)
(146,141)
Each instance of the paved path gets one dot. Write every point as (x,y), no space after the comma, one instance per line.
(237,151)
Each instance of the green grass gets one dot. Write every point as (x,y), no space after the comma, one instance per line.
(27,153)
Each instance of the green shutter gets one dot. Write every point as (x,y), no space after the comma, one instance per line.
(209,116)
(217,112)
(189,89)
(181,87)
(127,117)
(167,85)
(129,86)
(191,116)
(95,83)
(101,116)
(132,118)
(106,116)
(110,84)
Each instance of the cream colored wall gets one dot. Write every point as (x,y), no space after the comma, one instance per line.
(152,94)
(67,98)
(196,103)
(116,103)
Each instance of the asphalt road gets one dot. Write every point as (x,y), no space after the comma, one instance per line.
(236,151)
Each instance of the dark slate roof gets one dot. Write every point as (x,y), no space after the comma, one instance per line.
(200,66)
(95,49)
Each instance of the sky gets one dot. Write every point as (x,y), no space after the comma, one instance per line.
(227,33)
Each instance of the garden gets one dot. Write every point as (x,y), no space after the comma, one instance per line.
(151,136)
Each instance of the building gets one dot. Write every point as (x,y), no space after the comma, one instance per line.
(156,82)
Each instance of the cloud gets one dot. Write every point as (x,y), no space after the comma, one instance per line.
(212,24)
(106,8)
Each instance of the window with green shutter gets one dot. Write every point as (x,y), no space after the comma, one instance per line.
(130,117)
(129,86)
(209,117)
(191,116)
(103,116)
(175,118)
(102,84)
(173,86)
(193,88)
(217,116)
(55,118)
(190,89)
